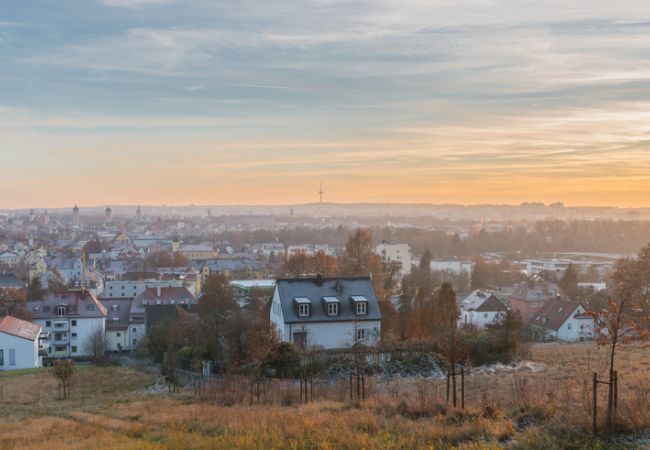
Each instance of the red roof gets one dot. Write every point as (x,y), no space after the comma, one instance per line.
(19,328)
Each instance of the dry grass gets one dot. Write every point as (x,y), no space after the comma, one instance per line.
(110,408)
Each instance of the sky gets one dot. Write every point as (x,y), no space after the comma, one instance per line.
(258,102)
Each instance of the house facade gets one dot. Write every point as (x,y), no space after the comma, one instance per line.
(19,344)
(564,321)
(326,312)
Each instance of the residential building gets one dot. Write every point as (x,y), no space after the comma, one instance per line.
(481,308)
(130,289)
(453,266)
(9,259)
(326,312)
(198,252)
(143,314)
(70,318)
(564,321)
(117,325)
(10,281)
(396,253)
(19,344)
(529,298)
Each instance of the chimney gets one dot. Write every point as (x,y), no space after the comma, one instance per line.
(158,291)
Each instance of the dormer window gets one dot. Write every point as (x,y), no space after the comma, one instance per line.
(303,305)
(331,305)
(360,305)
(60,310)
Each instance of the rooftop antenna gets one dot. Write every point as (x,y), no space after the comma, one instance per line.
(321,192)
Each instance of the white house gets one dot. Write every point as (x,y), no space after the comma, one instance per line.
(19,344)
(70,318)
(10,258)
(481,308)
(396,253)
(453,266)
(564,320)
(326,312)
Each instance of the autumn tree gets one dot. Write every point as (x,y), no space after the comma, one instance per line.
(359,259)
(569,282)
(218,317)
(13,302)
(301,263)
(625,318)
(96,346)
(35,290)
(444,324)
(165,259)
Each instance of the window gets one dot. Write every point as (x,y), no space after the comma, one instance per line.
(135,330)
(74,323)
(485,315)
(12,356)
(119,334)
(60,310)
(361,334)
(332,309)
(48,323)
(74,349)
(303,309)
(568,326)
(362,308)
(135,341)
(74,336)
(91,307)
(2,357)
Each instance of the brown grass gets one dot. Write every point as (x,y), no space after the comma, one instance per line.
(110,408)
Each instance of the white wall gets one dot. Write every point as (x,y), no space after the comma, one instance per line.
(478,318)
(84,328)
(115,338)
(334,334)
(26,352)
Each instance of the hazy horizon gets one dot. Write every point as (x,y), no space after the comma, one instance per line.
(253,103)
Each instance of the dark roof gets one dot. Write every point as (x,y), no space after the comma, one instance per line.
(19,328)
(554,313)
(483,301)
(315,289)
(80,303)
(117,309)
(157,315)
(9,280)
(539,291)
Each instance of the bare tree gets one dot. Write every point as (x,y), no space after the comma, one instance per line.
(96,346)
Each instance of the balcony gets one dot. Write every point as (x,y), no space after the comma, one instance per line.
(60,326)
(61,341)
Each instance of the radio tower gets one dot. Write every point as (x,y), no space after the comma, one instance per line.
(321,192)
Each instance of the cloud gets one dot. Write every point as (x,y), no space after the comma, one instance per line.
(134,3)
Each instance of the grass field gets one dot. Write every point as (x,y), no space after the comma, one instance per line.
(112,408)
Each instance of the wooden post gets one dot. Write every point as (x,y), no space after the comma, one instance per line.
(594,404)
(301,390)
(610,400)
(615,390)
(462,388)
(448,377)
(350,386)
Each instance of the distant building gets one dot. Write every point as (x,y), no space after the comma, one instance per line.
(396,253)
(151,307)
(481,308)
(326,312)
(564,321)
(453,266)
(198,252)
(530,297)
(70,318)
(9,281)
(559,266)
